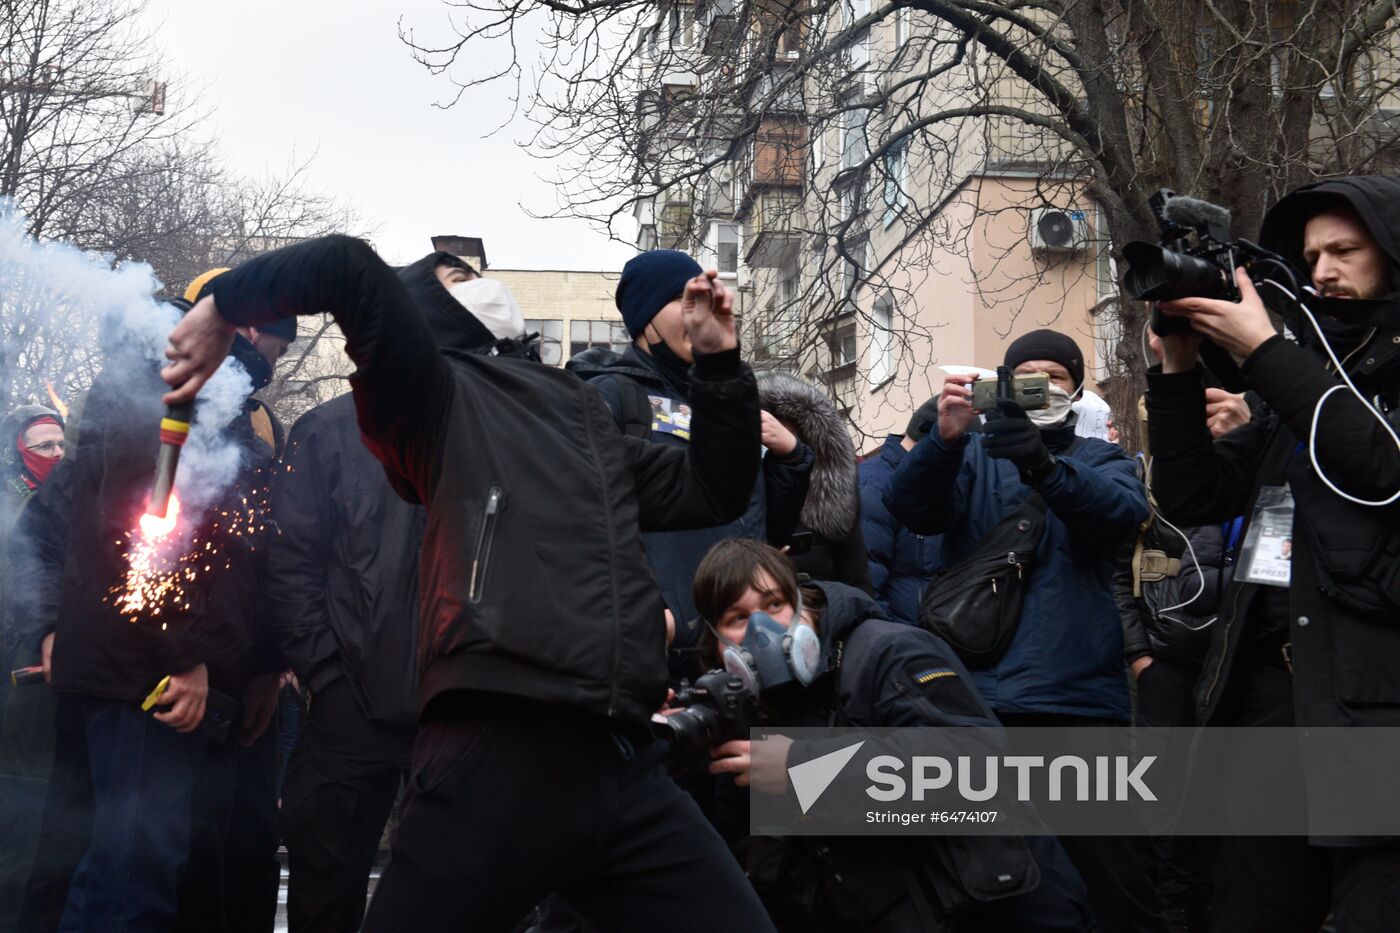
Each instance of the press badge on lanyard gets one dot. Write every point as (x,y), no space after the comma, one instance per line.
(1267,555)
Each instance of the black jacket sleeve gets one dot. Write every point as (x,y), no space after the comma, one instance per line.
(1197,481)
(299,558)
(912,681)
(709,482)
(785,484)
(402,383)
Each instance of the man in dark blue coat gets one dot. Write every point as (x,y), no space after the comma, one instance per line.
(1065,664)
(901,561)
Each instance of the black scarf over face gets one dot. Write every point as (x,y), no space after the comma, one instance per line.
(258,366)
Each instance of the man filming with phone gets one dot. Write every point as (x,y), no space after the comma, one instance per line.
(1063,665)
(1306,633)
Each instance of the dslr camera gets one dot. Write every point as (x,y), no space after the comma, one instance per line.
(718,708)
(1194,257)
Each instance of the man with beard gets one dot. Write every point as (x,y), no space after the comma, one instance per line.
(1305,638)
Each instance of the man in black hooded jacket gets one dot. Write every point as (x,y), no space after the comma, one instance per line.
(1323,648)
(343,593)
(542,641)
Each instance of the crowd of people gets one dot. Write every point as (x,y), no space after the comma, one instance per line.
(469,589)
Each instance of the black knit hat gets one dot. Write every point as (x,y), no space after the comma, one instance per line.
(1048,345)
(649,282)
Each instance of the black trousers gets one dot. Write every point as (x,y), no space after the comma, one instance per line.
(67,822)
(230,884)
(512,800)
(1118,871)
(1283,884)
(340,786)
(1166,698)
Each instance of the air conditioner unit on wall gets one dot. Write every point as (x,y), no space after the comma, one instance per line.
(1058,230)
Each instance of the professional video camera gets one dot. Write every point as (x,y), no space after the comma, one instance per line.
(718,708)
(1195,256)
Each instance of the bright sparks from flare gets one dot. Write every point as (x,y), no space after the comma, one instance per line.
(155,572)
(166,556)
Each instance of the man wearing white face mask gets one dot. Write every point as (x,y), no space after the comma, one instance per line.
(493,305)
(1064,663)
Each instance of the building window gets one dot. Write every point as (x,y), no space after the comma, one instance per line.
(787,287)
(852,274)
(842,346)
(901,28)
(551,344)
(680,27)
(585,334)
(854,147)
(859,51)
(896,180)
(727,248)
(882,339)
(1105,269)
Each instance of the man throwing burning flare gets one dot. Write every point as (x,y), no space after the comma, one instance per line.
(543,641)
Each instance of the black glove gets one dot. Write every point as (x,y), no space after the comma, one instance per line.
(1014,437)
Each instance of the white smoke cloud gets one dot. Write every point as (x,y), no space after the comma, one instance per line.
(50,274)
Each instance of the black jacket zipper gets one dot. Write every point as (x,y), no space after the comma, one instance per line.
(484,536)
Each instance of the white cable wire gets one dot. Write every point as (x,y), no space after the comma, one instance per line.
(1317,411)
(1200,575)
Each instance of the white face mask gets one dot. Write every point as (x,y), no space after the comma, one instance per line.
(491,303)
(1053,414)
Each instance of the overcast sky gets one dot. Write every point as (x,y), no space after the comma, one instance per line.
(287,79)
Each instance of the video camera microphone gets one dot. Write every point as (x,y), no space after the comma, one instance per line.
(1193,212)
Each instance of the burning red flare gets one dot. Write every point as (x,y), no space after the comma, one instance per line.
(153,527)
(58,405)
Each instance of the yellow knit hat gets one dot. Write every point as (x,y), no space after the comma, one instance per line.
(203,279)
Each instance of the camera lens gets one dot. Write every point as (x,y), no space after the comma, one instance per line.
(692,731)
(1157,274)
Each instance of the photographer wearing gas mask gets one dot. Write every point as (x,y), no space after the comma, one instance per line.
(825,652)
(1306,632)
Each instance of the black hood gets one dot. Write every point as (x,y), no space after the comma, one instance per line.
(1376,199)
(631,363)
(846,608)
(452,325)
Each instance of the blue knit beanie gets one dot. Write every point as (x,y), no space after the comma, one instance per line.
(649,282)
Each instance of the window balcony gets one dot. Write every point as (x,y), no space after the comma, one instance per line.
(774,231)
(719,26)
